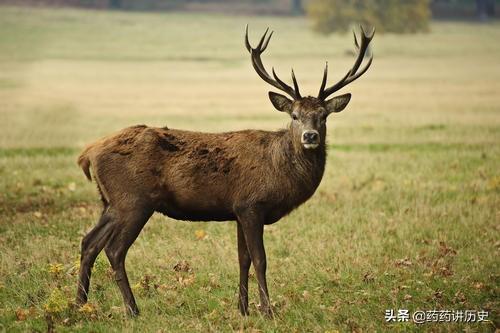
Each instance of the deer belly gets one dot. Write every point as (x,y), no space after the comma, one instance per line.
(206,208)
(275,214)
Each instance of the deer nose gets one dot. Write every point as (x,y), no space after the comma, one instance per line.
(310,136)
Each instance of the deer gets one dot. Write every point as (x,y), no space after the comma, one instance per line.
(253,177)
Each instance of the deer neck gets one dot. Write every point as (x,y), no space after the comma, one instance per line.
(305,166)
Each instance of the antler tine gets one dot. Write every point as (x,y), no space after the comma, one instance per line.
(295,85)
(323,82)
(262,44)
(353,73)
(365,40)
(262,39)
(247,42)
(264,47)
(260,69)
(285,87)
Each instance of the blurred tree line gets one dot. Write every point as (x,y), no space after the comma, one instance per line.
(401,16)
(483,9)
(294,7)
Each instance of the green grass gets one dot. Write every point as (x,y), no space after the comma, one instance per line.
(406,216)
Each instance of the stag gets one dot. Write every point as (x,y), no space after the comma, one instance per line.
(252,177)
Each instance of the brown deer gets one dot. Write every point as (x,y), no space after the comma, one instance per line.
(254,177)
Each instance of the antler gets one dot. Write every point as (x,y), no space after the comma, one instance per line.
(353,73)
(259,67)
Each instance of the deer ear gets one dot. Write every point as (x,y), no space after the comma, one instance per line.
(280,102)
(337,103)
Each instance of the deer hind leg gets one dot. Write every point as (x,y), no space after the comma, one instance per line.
(92,244)
(128,228)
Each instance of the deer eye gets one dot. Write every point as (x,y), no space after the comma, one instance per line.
(294,116)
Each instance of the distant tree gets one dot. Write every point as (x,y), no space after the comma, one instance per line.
(297,8)
(116,4)
(400,16)
(485,9)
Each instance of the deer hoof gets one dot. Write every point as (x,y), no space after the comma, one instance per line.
(132,311)
(267,311)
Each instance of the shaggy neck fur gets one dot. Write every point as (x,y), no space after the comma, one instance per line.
(300,165)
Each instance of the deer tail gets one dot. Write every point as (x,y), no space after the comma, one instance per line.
(84,163)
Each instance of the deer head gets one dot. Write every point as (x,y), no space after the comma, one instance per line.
(309,113)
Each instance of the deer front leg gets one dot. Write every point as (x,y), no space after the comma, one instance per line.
(245,261)
(253,229)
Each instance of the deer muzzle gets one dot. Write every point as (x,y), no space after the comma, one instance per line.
(310,139)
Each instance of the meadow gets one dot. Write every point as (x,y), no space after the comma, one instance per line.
(407,215)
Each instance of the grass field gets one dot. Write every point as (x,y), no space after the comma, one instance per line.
(407,215)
